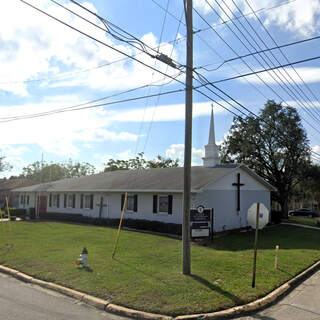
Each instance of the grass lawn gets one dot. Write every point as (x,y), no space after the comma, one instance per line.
(146,273)
(305,220)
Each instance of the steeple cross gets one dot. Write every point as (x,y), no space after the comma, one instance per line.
(238,185)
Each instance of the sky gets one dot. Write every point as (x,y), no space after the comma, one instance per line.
(125,105)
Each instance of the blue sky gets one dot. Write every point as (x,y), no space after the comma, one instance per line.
(46,66)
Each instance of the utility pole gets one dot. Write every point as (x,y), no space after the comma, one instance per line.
(186,261)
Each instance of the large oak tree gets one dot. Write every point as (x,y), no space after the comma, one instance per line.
(274,145)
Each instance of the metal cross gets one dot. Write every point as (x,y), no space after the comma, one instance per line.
(238,185)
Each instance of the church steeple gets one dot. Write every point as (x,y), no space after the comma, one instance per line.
(211,156)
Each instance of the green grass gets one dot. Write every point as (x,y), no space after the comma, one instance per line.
(305,220)
(146,273)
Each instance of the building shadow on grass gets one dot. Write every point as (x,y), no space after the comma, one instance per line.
(218,289)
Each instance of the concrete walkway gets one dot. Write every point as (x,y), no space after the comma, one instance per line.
(300,225)
(303,303)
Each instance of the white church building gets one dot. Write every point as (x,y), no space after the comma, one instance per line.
(157,194)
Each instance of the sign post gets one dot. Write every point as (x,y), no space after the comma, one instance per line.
(255,248)
(258,217)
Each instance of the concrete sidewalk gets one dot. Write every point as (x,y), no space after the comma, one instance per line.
(303,303)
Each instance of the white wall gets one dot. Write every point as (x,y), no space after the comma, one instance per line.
(112,207)
(224,203)
(225,183)
(32,200)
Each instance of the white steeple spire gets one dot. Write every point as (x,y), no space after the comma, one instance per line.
(211,156)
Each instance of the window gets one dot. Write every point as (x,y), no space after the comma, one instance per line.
(87,201)
(28,199)
(56,200)
(71,200)
(162,204)
(132,202)
(21,199)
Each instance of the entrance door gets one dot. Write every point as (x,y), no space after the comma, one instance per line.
(42,204)
(103,208)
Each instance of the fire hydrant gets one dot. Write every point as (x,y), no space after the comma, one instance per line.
(83,258)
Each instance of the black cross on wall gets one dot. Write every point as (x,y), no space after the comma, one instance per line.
(238,185)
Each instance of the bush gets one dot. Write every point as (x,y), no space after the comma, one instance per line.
(146,225)
(32,213)
(21,213)
(276,216)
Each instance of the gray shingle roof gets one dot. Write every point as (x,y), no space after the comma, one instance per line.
(146,180)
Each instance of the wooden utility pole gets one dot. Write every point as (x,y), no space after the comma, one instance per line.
(186,261)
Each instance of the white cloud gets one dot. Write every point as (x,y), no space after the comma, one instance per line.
(8,150)
(316,158)
(58,133)
(298,17)
(174,112)
(316,148)
(176,151)
(49,48)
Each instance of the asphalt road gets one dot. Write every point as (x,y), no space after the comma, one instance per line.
(303,303)
(22,301)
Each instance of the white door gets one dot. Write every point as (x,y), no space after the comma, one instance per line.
(103,206)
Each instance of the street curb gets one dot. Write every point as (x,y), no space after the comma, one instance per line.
(135,314)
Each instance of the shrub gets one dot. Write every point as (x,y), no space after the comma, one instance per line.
(146,225)
(21,213)
(275,216)
(32,213)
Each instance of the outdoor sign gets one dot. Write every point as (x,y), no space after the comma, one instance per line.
(200,219)
(263,216)
(200,214)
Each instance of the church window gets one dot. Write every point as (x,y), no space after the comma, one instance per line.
(56,200)
(71,200)
(88,201)
(132,202)
(162,204)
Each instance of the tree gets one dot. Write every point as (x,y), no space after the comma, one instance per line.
(139,162)
(45,172)
(274,145)
(308,189)
(4,165)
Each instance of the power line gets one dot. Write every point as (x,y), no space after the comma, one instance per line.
(203,80)
(283,85)
(119,36)
(214,10)
(160,90)
(97,40)
(81,107)
(276,59)
(109,47)
(282,53)
(257,52)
